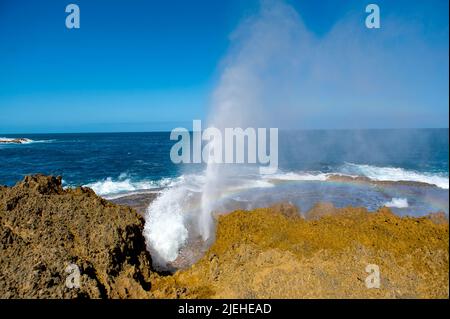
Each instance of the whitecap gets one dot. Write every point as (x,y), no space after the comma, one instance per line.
(397,203)
(396,174)
(109,186)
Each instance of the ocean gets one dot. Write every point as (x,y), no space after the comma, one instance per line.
(406,170)
(118,164)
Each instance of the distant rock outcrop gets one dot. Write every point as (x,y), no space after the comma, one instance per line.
(14,140)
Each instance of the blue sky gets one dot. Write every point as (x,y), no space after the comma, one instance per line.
(151,65)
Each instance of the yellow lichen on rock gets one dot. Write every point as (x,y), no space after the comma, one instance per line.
(267,254)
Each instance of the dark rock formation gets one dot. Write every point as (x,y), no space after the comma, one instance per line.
(44,229)
(14,141)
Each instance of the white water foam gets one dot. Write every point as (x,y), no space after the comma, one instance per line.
(396,174)
(165,228)
(109,187)
(175,212)
(172,217)
(374,173)
(41,141)
(167,218)
(397,203)
(299,176)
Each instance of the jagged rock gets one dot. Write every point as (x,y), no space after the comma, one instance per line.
(267,254)
(44,228)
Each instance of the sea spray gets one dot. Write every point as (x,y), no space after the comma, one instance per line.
(168,231)
(247,95)
(210,194)
(168,218)
(215,147)
(278,74)
(259,71)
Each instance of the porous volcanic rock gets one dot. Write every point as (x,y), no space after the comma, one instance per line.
(265,253)
(44,229)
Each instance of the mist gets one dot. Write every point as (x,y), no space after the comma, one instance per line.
(279,74)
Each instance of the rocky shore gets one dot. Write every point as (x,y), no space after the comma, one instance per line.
(366,180)
(266,253)
(44,229)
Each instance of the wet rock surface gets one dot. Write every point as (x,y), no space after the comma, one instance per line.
(139,202)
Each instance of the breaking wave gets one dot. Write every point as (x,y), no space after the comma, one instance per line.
(124,185)
(172,218)
(396,174)
(303,176)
